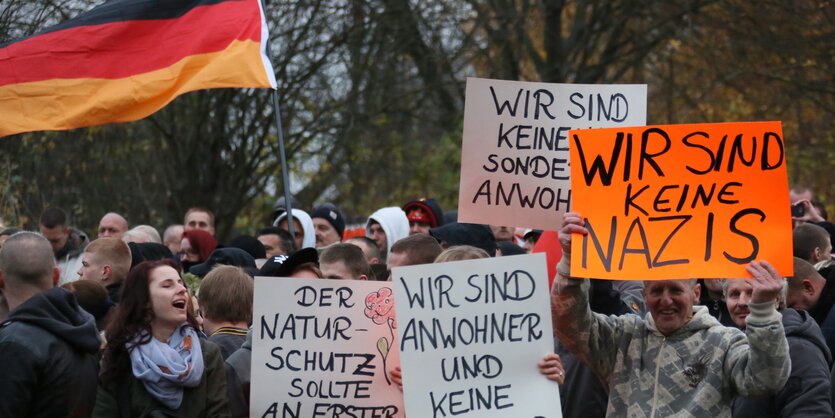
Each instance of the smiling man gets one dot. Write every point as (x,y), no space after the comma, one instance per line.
(678,359)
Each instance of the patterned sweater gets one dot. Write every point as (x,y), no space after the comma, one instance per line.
(695,372)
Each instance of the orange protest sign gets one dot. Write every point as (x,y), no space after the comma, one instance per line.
(680,201)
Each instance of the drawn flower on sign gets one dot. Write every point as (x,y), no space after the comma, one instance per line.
(379,307)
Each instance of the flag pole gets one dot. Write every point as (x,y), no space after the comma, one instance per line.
(285,177)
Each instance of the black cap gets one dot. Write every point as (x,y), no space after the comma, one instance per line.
(228,256)
(249,244)
(283,266)
(331,214)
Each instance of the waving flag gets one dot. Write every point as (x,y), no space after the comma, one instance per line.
(126,59)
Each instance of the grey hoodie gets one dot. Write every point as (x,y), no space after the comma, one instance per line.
(394,223)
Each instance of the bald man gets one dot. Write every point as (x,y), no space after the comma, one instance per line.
(48,345)
(112,225)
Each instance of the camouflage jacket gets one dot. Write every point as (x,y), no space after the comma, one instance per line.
(695,372)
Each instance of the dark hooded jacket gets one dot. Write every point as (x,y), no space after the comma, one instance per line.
(48,358)
(824,310)
(806,394)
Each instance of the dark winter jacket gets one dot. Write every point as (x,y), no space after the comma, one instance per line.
(823,311)
(48,358)
(807,393)
(238,377)
(208,399)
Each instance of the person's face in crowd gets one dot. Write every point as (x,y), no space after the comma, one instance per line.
(739,295)
(325,233)
(670,302)
(200,220)
(112,226)
(417,227)
(339,271)
(503,233)
(377,233)
(187,252)
(299,231)
(56,235)
(92,267)
(272,245)
(169,298)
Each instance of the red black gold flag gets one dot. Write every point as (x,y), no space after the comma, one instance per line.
(126,59)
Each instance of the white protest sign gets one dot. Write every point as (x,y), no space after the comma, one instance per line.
(471,334)
(514,156)
(320,348)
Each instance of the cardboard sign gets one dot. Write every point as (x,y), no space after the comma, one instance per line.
(514,158)
(320,348)
(471,334)
(680,201)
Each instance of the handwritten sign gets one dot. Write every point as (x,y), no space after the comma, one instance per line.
(320,348)
(471,334)
(514,156)
(680,201)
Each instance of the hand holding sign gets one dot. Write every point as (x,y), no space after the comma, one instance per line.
(572,223)
(551,367)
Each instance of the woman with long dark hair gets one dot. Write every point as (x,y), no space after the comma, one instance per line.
(154,363)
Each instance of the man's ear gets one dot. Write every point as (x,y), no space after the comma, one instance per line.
(362,277)
(808,287)
(56,275)
(68,231)
(697,292)
(106,272)
(816,253)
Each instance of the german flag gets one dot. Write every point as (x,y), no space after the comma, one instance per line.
(126,59)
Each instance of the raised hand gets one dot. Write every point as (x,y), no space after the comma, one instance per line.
(572,223)
(766,282)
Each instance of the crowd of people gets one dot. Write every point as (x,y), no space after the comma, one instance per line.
(136,323)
